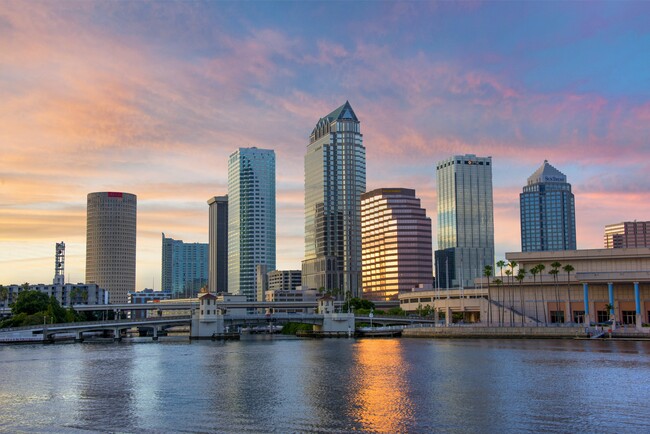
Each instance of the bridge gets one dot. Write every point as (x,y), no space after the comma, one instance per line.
(118,328)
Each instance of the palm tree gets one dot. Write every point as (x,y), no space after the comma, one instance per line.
(534,272)
(498,282)
(569,268)
(512,265)
(501,264)
(487,272)
(541,268)
(509,273)
(520,277)
(554,272)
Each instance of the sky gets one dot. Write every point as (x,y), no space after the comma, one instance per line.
(151,98)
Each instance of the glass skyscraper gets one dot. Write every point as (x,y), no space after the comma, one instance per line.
(547,210)
(335,178)
(396,241)
(184,267)
(465,220)
(251,218)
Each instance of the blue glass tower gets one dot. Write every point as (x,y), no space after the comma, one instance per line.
(184,267)
(547,209)
(251,218)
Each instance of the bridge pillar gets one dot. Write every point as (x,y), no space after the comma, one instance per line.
(336,323)
(637,301)
(155,333)
(585,290)
(80,337)
(448,318)
(116,334)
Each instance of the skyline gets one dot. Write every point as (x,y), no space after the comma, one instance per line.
(152,98)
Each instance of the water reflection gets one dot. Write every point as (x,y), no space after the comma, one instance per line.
(382,402)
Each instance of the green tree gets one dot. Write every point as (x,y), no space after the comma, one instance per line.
(521,275)
(487,272)
(501,292)
(541,268)
(4,294)
(534,270)
(554,272)
(569,268)
(509,295)
(498,283)
(397,311)
(30,302)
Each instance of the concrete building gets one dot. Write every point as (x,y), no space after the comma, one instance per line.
(335,178)
(396,243)
(604,284)
(184,267)
(145,296)
(218,241)
(465,220)
(547,209)
(284,280)
(67,295)
(627,235)
(110,242)
(251,217)
(283,295)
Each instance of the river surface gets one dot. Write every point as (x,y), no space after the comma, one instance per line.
(286,385)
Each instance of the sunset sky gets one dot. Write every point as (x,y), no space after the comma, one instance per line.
(151,98)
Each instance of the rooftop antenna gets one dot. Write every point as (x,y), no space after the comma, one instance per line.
(59,264)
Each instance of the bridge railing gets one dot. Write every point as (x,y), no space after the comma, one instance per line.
(97,323)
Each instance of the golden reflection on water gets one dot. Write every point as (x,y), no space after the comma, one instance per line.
(382,403)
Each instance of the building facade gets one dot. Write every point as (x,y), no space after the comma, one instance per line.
(465,220)
(396,243)
(335,178)
(627,235)
(284,280)
(251,218)
(547,210)
(218,242)
(110,242)
(184,267)
(67,295)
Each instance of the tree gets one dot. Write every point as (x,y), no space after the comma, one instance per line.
(30,302)
(397,311)
(501,264)
(534,272)
(554,272)
(512,265)
(4,294)
(520,277)
(487,272)
(508,274)
(569,268)
(541,268)
(498,282)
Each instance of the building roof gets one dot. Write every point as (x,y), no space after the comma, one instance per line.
(343,112)
(546,173)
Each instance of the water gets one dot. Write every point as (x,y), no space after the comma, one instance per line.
(328,386)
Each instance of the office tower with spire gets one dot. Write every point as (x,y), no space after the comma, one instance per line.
(335,178)
(396,243)
(547,212)
(465,220)
(218,242)
(251,218)
(110,243)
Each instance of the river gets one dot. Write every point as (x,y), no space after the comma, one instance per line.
(285,385)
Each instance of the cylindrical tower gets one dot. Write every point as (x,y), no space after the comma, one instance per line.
(110,243)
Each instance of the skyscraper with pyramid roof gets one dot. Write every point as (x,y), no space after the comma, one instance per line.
(547,208)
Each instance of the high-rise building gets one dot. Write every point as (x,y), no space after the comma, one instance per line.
(548,218)
(251,218)
(627,235)
(396,243)
(110,242)
(335,178)
(184,267)
(218,241)
(465,220)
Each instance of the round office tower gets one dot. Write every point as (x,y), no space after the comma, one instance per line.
(110,243)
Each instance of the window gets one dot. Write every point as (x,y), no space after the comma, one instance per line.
(579,316)
(557,316)
(603,316)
